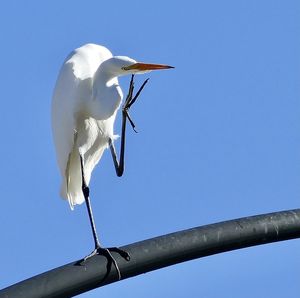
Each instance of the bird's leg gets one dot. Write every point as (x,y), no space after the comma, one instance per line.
(130,100)
(98,248)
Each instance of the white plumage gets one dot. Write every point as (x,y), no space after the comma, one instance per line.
(85,102)
(74,130)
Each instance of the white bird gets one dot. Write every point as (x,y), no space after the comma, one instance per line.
(86,99)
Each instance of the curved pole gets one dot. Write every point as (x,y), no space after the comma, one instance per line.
(73,279)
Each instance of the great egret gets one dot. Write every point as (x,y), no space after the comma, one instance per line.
(86,99)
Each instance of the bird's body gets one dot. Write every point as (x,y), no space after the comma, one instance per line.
(79,126)
(85,102)
(86,99)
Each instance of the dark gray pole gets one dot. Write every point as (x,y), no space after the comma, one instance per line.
(159,252)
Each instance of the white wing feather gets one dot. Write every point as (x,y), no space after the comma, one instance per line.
(73,87)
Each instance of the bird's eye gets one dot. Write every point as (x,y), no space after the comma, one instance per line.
(124,68)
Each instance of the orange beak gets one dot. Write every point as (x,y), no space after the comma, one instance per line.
(146,66)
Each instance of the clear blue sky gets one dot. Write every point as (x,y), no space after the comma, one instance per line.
(219,138)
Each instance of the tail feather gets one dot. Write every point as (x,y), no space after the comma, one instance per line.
(71,188)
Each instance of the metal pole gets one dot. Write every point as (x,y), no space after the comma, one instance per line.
(73,279)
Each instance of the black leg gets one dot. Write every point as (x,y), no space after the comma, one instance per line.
(130,100)
(98,248)
(86,194)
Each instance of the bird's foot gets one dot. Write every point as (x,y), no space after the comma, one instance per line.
(130,100)
(106,252)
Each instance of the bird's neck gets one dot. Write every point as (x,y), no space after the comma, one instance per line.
(102,79)
(104,75)
(106,95)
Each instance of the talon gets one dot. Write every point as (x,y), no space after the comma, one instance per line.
(106,252)
(124,254)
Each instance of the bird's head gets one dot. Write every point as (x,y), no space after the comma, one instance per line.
(123,65)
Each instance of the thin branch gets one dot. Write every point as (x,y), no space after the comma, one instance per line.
(148,255)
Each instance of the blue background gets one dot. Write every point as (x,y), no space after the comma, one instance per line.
(219,138)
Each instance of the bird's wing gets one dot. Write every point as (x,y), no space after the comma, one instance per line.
(73,85)
(63,122)
(64,127)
